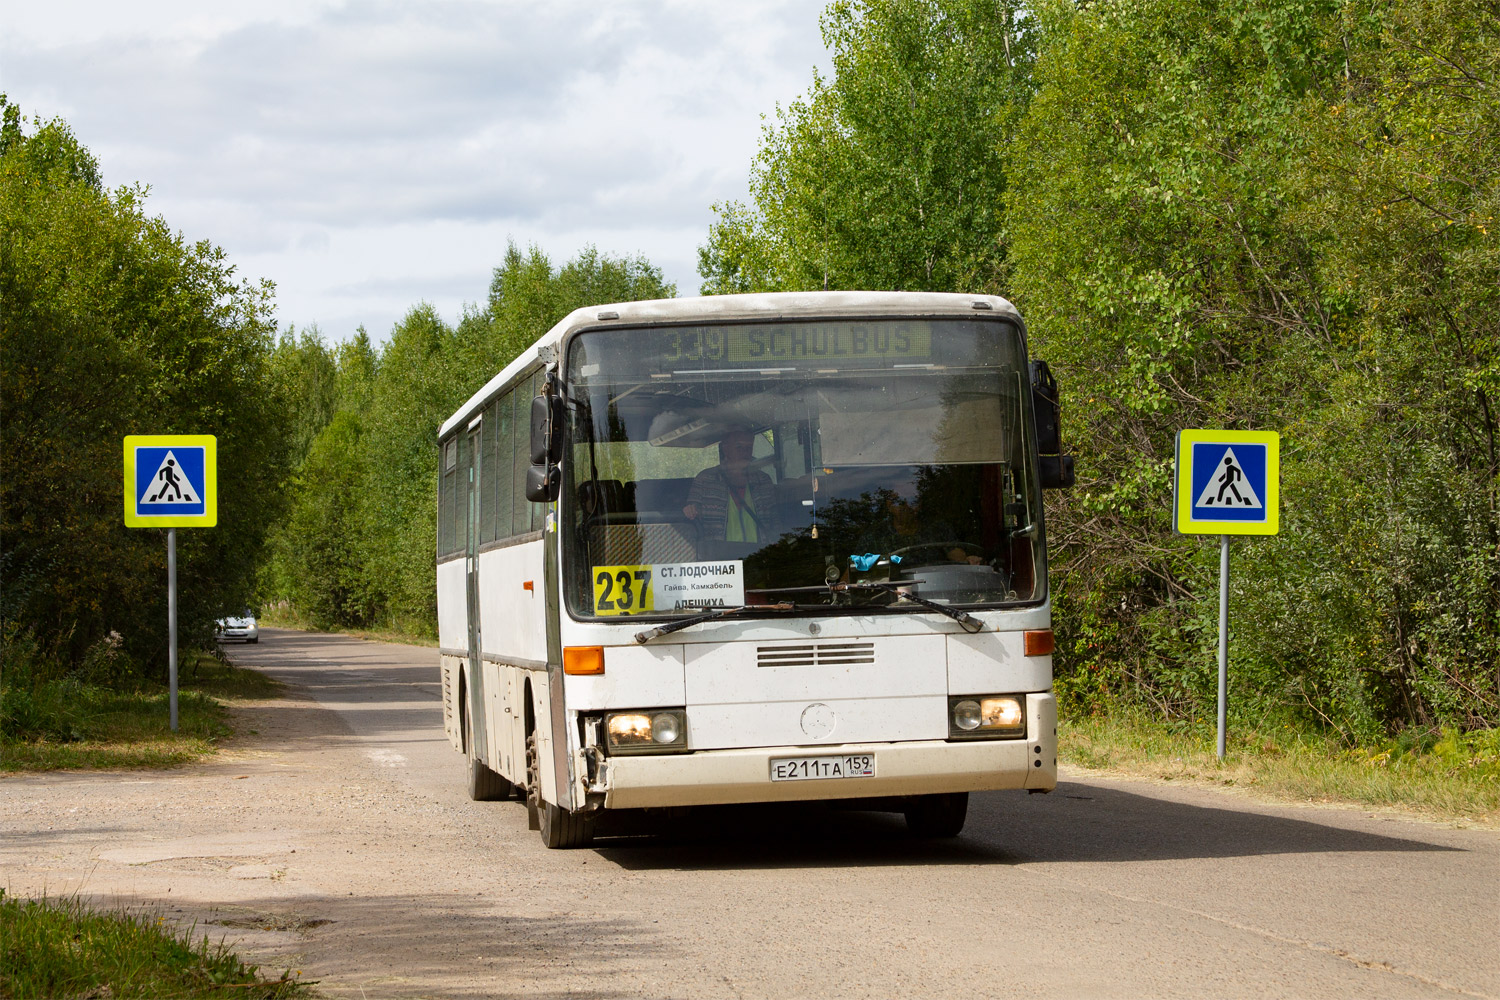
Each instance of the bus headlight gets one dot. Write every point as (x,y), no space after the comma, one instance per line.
(973,717)
(646,731)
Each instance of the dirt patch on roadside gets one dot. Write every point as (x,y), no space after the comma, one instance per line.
(301,851)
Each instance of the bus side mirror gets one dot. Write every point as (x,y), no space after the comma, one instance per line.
(546,430)
(1056,469)
(543,483)
(544,479)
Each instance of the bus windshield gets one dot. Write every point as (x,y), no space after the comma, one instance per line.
(839,463)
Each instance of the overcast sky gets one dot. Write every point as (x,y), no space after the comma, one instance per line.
(367,156)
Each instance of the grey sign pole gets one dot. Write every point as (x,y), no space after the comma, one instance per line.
(172,626)
(1223,640)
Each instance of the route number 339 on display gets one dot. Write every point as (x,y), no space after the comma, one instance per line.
(622,590)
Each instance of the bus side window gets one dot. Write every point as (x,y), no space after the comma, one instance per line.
(502,464)
(447,490)
(535,384)
(520,437)
(461,495)
(486,464)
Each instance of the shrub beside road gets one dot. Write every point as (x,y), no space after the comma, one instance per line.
(52,719)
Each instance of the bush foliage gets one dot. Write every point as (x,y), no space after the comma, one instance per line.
(111,324)
(1274,216)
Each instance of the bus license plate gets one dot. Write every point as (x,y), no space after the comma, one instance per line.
(856,765)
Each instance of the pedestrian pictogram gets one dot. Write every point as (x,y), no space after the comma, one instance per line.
(170,481)
(170,486)
(1227,482)
(1228,487)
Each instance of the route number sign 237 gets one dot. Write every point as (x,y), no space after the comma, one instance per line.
(668,587)
(622,590)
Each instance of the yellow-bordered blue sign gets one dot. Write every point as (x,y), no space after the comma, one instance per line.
(171,481)
(1227,482)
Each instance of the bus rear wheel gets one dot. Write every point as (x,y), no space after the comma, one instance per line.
(937,815)
(560,828)
(485,785)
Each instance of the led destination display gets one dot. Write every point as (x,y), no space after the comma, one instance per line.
(733,346)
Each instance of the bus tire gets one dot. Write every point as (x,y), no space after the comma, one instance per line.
(485,785)
(564,829)
(559,827)
(937,815)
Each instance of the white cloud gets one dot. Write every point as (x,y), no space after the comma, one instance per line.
(366,156)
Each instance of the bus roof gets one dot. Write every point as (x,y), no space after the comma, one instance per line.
(765,306)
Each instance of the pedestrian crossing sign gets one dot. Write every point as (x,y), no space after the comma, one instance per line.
(1227,482)
(171,481)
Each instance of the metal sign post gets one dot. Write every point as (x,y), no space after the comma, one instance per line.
(1223,641)
(172,624)
(1226,483)
(171,481)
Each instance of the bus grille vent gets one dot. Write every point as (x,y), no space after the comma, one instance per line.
(828,654)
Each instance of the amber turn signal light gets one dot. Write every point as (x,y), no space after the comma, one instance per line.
(585,659)
(1039,642)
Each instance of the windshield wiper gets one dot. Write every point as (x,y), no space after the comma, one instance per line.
(968,621)
(670,627)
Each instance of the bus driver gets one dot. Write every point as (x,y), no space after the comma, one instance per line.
(731,501)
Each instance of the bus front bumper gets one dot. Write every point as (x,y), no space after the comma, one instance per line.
(720,777)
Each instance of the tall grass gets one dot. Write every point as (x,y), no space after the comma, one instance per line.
(63,948)
(56,717)
(1439,774)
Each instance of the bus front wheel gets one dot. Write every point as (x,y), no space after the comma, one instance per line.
(937,815)
(560,828)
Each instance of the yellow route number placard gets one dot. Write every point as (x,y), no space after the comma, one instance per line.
(622,590)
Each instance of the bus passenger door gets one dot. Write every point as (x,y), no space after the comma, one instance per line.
(478,716)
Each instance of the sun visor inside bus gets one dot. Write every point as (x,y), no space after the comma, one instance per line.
(964,432)
(676,430)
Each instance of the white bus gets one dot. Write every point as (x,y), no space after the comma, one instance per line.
(753,548)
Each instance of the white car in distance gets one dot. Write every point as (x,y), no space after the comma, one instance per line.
(241,626)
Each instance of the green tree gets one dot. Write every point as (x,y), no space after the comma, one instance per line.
(1272,216)
(358,545)
(320,384)
(331,585)
(528,295)
(307,372)
(891,174)
(1402,187)
(111,324)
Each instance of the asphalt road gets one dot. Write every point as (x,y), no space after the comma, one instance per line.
(334,837)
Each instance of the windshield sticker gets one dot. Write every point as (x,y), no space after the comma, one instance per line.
(665,587)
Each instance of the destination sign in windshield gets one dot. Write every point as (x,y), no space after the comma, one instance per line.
(793,343)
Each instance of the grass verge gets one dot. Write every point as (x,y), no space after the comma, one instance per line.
(1437,775)
(68,724)
(62,948)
